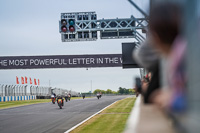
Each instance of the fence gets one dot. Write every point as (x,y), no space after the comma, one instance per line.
(20,90)
(25,92)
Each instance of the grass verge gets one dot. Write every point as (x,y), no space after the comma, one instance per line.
(111,120)
(10,104)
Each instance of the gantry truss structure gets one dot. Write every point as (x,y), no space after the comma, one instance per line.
(87,26)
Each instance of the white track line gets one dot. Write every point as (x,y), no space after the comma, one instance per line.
(88,118)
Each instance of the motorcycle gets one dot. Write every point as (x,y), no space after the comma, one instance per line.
(98,96)
(53,99)
(69,97)
(66,98)
(60,103)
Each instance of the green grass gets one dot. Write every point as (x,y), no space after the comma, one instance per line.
(111,120)
(123,106)
(11,104)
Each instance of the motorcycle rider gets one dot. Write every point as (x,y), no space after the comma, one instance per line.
(53,96)
(60,97)
(98,95)
(69,96)
(83,96)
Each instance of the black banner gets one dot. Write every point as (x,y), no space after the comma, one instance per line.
(127,56)
(60,61)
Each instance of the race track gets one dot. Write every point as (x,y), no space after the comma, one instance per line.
(48,118)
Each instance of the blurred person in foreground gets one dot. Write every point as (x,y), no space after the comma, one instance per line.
(141,85)
(148,57)
(164,24)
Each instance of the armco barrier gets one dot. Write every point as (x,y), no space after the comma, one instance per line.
(16,98)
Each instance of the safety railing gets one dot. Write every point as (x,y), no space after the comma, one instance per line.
(26,90)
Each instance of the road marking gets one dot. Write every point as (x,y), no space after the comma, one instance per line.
(88,118)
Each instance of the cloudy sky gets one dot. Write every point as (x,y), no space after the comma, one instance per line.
(31,28)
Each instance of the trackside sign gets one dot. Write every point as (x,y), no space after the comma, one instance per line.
(61,61)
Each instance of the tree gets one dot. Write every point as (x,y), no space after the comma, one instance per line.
(121,90)
(103,92)
(114,92)
(131,91)
(97,91)
(125,91)
(109,91)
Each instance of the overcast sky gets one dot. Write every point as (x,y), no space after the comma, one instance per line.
(31,27)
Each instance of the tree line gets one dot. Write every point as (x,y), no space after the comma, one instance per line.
(120,91)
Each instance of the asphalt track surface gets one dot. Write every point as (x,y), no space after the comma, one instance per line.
(48,118)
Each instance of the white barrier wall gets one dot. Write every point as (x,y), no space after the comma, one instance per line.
(25,90)
(16,98)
